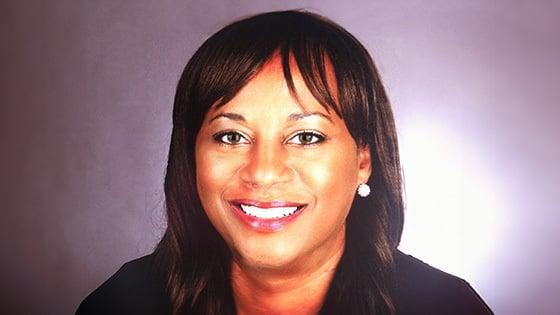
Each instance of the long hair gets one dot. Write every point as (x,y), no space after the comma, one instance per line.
(193,258)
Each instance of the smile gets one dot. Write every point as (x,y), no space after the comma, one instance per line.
(266,216)
(268,213)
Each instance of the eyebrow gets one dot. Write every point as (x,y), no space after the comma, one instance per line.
(299,116)
(291,117)
(232,116)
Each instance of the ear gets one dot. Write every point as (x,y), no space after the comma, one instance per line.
(364,164)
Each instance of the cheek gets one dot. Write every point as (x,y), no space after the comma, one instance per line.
(207,173)
(332,176)
(213,172)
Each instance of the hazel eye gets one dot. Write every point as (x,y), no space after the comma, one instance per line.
(230,137)
(307,138)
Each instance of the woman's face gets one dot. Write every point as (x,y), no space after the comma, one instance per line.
(277,177)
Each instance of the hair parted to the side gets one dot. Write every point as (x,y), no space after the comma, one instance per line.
(192,256)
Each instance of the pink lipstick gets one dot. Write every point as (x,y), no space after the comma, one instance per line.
(266,216)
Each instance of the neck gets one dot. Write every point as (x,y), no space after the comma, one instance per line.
(297,289)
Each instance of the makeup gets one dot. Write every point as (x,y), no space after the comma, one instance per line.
(269,216)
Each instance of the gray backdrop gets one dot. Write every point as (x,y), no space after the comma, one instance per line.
(87,89)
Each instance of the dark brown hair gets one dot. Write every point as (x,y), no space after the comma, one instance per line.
(193,258)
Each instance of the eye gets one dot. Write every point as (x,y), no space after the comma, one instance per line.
(230,137)
(307,138)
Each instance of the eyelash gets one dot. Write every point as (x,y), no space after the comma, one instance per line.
(319,137)
(219,137)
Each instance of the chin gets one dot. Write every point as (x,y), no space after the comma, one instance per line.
(273,255)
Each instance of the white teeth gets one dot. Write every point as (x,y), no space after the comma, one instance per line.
(268,213)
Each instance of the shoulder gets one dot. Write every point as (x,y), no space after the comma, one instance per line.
(134,289)
(422,289)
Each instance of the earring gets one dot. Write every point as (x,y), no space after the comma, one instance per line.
(363,190)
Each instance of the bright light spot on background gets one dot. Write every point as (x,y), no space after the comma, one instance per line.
(452,204)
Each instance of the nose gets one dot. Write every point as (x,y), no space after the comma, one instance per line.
(266,166)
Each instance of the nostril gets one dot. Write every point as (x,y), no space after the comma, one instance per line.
(254,185)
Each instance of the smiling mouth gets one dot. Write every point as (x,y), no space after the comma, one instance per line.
(269,213)
(268,210)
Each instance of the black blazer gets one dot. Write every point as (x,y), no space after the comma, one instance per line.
(420,289)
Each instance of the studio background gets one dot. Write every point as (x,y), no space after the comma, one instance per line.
(87,90)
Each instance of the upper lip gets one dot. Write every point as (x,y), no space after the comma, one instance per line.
(266,204)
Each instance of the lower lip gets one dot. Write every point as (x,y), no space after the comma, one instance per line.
(265,225)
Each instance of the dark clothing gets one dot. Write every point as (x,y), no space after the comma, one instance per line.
(420,289)
(134,289)
(423,289)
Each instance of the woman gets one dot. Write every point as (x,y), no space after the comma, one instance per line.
(283,187)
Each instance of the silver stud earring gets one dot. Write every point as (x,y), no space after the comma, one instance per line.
(363,190)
